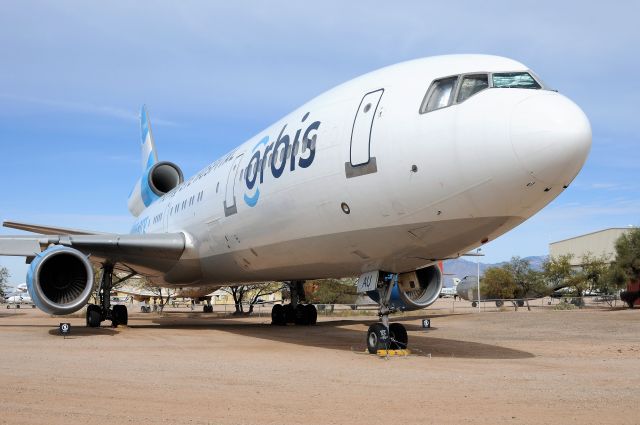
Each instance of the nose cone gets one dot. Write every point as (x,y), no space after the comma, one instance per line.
(551,137)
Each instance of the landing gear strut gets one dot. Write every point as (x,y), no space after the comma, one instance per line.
(99,313)
(382,335)
(295,312)
(207,307)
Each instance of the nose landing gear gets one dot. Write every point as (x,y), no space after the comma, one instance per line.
(383,336)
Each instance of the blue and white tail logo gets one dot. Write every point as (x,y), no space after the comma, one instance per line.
(149,155)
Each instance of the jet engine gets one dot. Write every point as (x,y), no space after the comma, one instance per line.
(415,290)
(60,280)
(157,180)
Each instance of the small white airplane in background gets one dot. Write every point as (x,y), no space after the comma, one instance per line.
(380,178)
(20,297)
(450,291)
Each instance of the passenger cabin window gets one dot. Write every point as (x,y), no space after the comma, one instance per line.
(470,85)
(515,80)
(439,95)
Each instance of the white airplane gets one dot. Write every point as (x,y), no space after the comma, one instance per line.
(450,291)
(20,297)
(358,181)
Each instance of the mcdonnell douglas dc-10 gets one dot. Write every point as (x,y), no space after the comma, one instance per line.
(380,177)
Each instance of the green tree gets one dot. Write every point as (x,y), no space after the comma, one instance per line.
(594,273)
(251,294)
(558,271)
(628,254)
(332,291)
(529,282)
(4,279)
(498,282)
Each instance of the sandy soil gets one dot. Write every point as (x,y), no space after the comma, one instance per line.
(538,367)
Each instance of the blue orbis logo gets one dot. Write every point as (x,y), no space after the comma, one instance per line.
(279,156)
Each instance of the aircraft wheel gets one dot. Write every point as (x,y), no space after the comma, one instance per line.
(94,316)
(289,314)
(399,337)
(520,303)
(120,315)
(33,306)
(17,305)
(301,315)
(312,314)
(474,304)
(377,338)
(277,315)
(499,303)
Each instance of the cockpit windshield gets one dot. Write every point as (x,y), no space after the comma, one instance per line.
(514,80)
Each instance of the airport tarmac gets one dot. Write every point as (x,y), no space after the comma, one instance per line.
(540,367)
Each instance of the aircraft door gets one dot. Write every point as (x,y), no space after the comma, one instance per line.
(230,207)
(360,160)
(165,218)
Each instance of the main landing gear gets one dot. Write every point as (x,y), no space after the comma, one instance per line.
(96,314)
(295,312)
(382,335)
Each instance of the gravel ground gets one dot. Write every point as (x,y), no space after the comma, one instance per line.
(493,367)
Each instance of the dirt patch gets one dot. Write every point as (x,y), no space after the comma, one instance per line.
(488,368)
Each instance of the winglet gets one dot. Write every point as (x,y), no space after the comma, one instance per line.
(149,154)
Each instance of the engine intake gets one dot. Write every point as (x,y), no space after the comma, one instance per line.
(418,289)
(156,180)
(60,280)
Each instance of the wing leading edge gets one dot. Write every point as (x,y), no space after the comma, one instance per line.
(147,253)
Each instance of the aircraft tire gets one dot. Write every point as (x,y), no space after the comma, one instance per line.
(474,304)
(94,317)
(120,315)
(499,303)
(398,336)
(377,338)
(278,315)
(289,314)
(312,314)
(17,305)
(301,315)
(520,303)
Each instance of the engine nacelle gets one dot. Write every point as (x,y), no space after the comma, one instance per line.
(415,290)
(60,280)
(157,180)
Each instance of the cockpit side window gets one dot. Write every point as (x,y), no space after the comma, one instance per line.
(515,80)
(439,94)
(470,85)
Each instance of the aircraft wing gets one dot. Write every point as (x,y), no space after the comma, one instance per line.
(145,253)
(48,230)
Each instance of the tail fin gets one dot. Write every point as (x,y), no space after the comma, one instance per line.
(157,178)
(149,154)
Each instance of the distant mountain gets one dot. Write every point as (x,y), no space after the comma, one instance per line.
(462,267)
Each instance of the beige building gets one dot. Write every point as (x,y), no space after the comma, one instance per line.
(597,243)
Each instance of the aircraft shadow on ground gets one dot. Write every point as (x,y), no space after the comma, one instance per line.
(340,337)
(83,331)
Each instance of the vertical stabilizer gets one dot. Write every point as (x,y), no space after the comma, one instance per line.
(157,178)
(149,154)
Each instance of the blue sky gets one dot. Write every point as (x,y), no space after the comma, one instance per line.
(74,74)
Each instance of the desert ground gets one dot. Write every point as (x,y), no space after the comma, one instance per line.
(180,367)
